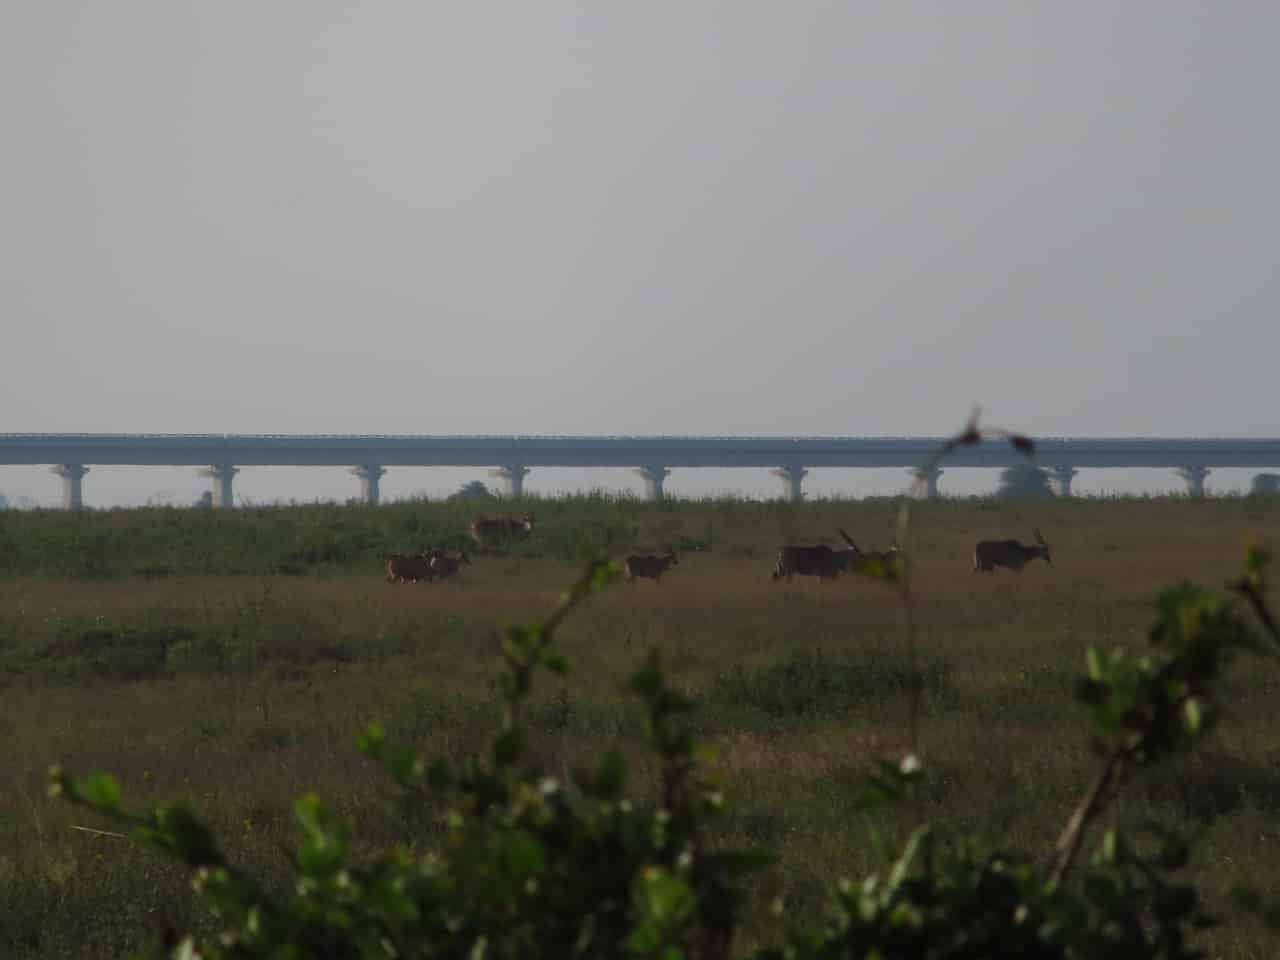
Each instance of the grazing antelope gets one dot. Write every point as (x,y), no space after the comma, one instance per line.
(989,554)
(500,528)
(446,565)
(821,562)
(408,568)
(650,567)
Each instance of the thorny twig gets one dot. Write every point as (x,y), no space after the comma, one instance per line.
(1104,789)
(971,435)
(1250,591)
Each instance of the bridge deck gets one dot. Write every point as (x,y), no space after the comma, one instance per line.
(618,451)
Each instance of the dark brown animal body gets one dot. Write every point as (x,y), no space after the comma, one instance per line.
(821,561)
(408,568)
(491,529)
(649,567)
(989,554)
(446,565)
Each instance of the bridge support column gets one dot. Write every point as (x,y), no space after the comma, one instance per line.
(1194,476)
(370,475)
(72,475)
(792,475)
(222,474)
(1061,480)
(930,479)
(653,477)
(512,475)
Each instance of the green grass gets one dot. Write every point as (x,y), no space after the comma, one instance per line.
(241,676)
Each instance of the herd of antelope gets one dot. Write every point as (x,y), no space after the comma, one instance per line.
(433,563)
(822,561)
(825,563)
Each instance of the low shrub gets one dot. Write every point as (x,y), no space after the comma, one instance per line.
(807,683)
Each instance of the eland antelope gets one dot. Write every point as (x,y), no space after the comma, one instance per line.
(821,561)
(445,565)
(650,567)
(489,529)
(408,568)
(989,554)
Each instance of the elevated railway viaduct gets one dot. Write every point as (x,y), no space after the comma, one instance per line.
(220,456)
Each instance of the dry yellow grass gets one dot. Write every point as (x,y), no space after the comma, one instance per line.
(1001,737)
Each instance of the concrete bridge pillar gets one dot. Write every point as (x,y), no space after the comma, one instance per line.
(653,476)
(1061,479)
(222,474)
(930,478)
(370,475)
(1194,476)
(72,475)
(512,475)
(792,475)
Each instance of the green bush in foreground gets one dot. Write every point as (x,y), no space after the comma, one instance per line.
(535,866)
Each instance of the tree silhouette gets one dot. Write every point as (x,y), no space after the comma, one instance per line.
(474,490)
(1266,483)
(1024,480)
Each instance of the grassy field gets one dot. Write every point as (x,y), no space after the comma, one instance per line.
(229,659)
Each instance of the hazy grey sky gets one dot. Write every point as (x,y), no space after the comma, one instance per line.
(668,217)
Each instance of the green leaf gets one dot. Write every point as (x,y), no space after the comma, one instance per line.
(323,850)
(1094,663)
(555,662)
(604,573)
(309,811)
(663,897)
(919,841)
(877,569)
(878,792)
(663,903)
(1109,846)
(102,792)
(404,765)
(1256,558)
(59,783)
(610,776)
(523,854)
(1191,714)
(439,775)
(508,746)
(370,742)
(647,682)
(177,830)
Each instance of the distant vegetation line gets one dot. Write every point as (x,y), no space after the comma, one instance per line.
(317,539)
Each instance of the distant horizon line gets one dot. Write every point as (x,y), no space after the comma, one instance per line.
(609,436)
